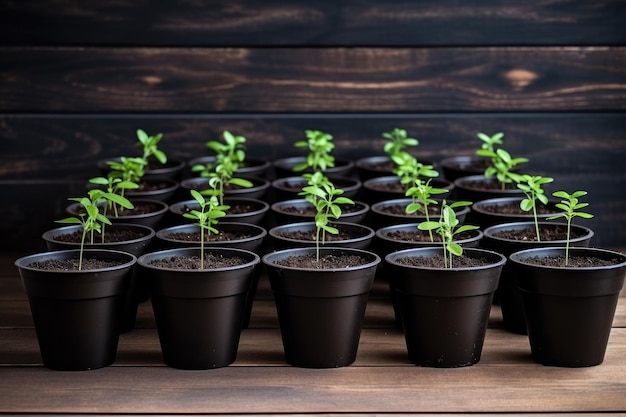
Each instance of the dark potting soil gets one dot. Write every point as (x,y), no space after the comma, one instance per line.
(545,234)
(139,209)
(311,211)
(574,261)
(437,261)
(422,236)
(110,236)
(488,184)
(393,187)
(325,261)
(387,166)
(400,210)
(150,185)
(220,237)
(514,208)
(72,264)
(477,165)
(239,208)
(211,261)
(310,235)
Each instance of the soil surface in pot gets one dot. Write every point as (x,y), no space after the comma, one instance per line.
(139,209)
(238,208)
(307,235)
(152,185)
(72,264)
(488,184)
(574,261)
(110,236)
(311,211)
(400,210)
(437,261)
(208,237)
(211,261)
(387,166)
(514,208)
(422,236)
(546,234)
(325,262)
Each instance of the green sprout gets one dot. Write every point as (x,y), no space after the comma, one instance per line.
(223,176)
(448,227)
(128,169)
(320,146)
(570,204)
(326,199)
(232,149)
(91,220)
(114,196)
(397,142)
(502,163)
(532,187)
(207,217)
(489,142)
(150,143)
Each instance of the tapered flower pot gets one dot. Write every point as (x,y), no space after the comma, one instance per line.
(283,167)
(321,311)
(509,295)
(242,210)
(77,314)
(199,312)
(570,310)
(444,311)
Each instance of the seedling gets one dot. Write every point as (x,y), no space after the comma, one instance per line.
(570,204)
(532,186)
(417,177)
(502,163)
(91,219)
(128,169)
(222,176)
(398,142)
(448,227)
(207,217)
(326,199)
(232,149)
(150,145)
(320,147)
(114,196)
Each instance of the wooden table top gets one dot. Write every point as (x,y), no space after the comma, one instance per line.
(382,380)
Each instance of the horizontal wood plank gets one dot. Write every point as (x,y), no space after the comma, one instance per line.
(48,158)
(279,22)
(201,80)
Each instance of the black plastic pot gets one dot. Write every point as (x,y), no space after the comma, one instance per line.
(463,166)
(137,290)
(321,311)
(362,235)
(288,188)
(485,213)
(389,188)
(256,214)
(257,191)
(508,291)
(378,166)
(77,314)
(284,167)
(252,167)
(569,311)
(477,187)
(199,312)
(381,216)
(151,219)
(297,210)
(172,169)
(444,311)
(166,191)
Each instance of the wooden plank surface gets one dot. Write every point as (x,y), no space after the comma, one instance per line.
(91,79)
(312,22)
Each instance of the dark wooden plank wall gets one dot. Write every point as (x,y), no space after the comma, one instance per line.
(77,79)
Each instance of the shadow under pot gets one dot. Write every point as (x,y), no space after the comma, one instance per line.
(478,187)
(512,237)
(288,188)
(389,188)
(252,167)
(570,309)
(77,313)
(242,210)
(297,235)
(300,210)
(494,211)
(257,191)
(131,238)
(199,311)
(444,311)
(389,212)
(284,167)
(146,212)
(321,304)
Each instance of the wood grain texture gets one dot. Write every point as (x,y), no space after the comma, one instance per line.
(280,22)
(317,80)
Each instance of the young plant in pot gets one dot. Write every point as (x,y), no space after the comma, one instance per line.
(321,293)
(508,238)
(326,200)
(499,179)
(570,295)
(455,167)
(396,145)
(320,157)
(455,285)
(199,295)
(234,148)
(157,165)
(77,297)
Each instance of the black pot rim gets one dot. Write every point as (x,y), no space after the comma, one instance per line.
(489,231)
(144,259)
(380,234)
(150,233)
(261,232)
(297,201)
(519,256)
(24,261)
(268,258)
(390,258)
(376,207)
(370,232)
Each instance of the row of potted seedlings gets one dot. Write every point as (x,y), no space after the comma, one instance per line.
(438,266)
